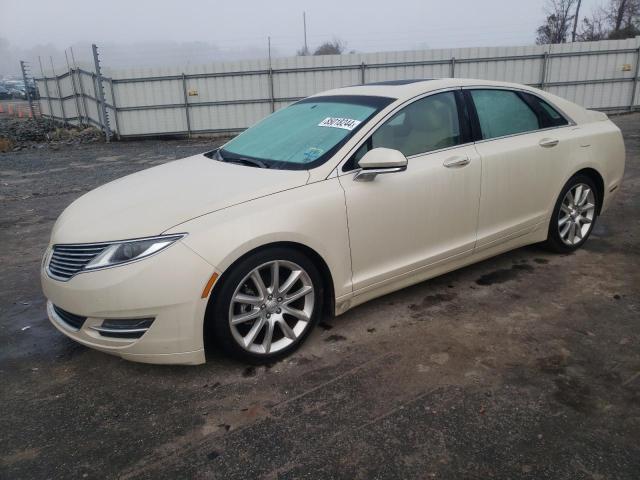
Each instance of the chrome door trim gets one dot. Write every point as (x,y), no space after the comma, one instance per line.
(548,142)
(367,175)
(457,161)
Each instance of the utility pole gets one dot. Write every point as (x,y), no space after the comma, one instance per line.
(575,22)
(304,26)
(271,90)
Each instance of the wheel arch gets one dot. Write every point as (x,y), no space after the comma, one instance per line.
(328,291)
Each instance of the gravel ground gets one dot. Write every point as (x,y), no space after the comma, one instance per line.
(526,365)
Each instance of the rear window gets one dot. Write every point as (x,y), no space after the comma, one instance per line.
(548,116)
(503,112)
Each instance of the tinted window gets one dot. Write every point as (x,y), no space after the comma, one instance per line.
(502,112)
(549,116)
(423,126)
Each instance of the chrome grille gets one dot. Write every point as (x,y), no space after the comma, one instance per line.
(67,260)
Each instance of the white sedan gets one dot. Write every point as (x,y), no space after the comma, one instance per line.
(337,199)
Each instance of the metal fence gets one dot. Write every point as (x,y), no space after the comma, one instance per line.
(228,97)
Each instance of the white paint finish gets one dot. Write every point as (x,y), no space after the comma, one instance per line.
(313,215)
(153,200)
(375,237)
(520,180)
(402,221)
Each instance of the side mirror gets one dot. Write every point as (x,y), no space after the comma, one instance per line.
(379,161)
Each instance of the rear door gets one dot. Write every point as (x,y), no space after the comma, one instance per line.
(523,148)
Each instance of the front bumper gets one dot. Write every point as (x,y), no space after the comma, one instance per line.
(166,287)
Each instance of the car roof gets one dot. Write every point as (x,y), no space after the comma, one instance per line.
(404,89)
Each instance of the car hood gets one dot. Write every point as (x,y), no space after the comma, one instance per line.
(151,201)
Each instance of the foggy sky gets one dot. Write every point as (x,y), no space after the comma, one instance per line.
(160,32)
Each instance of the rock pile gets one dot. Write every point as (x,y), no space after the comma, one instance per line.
(17,134)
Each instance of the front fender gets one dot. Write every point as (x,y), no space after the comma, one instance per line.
(313,215)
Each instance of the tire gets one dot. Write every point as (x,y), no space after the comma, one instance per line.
(573,219)
(244,312)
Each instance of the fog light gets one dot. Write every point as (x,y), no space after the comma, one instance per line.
(123,328)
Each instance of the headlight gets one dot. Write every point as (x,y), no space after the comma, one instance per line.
(119,253)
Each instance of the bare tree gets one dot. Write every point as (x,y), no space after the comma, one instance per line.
(558,22)
(623,18)
(576,15)
(303,52)
(594,28)
(334,47)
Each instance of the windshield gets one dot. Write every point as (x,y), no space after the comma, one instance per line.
(304,134)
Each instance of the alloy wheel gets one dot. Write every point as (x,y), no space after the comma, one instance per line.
(271,307)
(576,215)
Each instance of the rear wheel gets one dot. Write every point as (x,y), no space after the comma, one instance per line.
(574,215)
(267,305)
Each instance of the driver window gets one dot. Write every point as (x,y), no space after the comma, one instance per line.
(428,124)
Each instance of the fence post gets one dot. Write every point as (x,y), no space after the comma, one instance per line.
(186,103)
(75,91)
(543,73)
(271,91)
(453,67)
(64,116)
(362,70)
(115,108)
(23,67)
(81,86)
(83,95)
(46,90)
(100,94)
(95,98)
(634,89)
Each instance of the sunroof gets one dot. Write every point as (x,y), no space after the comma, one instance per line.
(400,82)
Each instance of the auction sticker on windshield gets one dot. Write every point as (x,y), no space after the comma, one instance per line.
(345,123)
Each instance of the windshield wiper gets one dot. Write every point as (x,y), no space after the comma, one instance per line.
(251,162)
(247,161)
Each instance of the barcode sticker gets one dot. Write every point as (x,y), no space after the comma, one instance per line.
(344,123)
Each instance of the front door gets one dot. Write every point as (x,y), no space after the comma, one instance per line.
(403,221)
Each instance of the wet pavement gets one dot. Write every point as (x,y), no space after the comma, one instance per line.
(526,365)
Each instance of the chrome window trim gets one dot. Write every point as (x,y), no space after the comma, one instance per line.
(528,132)
(423,154)
(373,128)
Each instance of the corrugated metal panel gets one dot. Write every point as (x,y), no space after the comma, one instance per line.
(234,95)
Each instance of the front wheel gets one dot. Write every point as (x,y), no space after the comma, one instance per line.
(574,215)
(267,305)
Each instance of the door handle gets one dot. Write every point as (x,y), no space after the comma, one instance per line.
(548,142)
(456,162)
